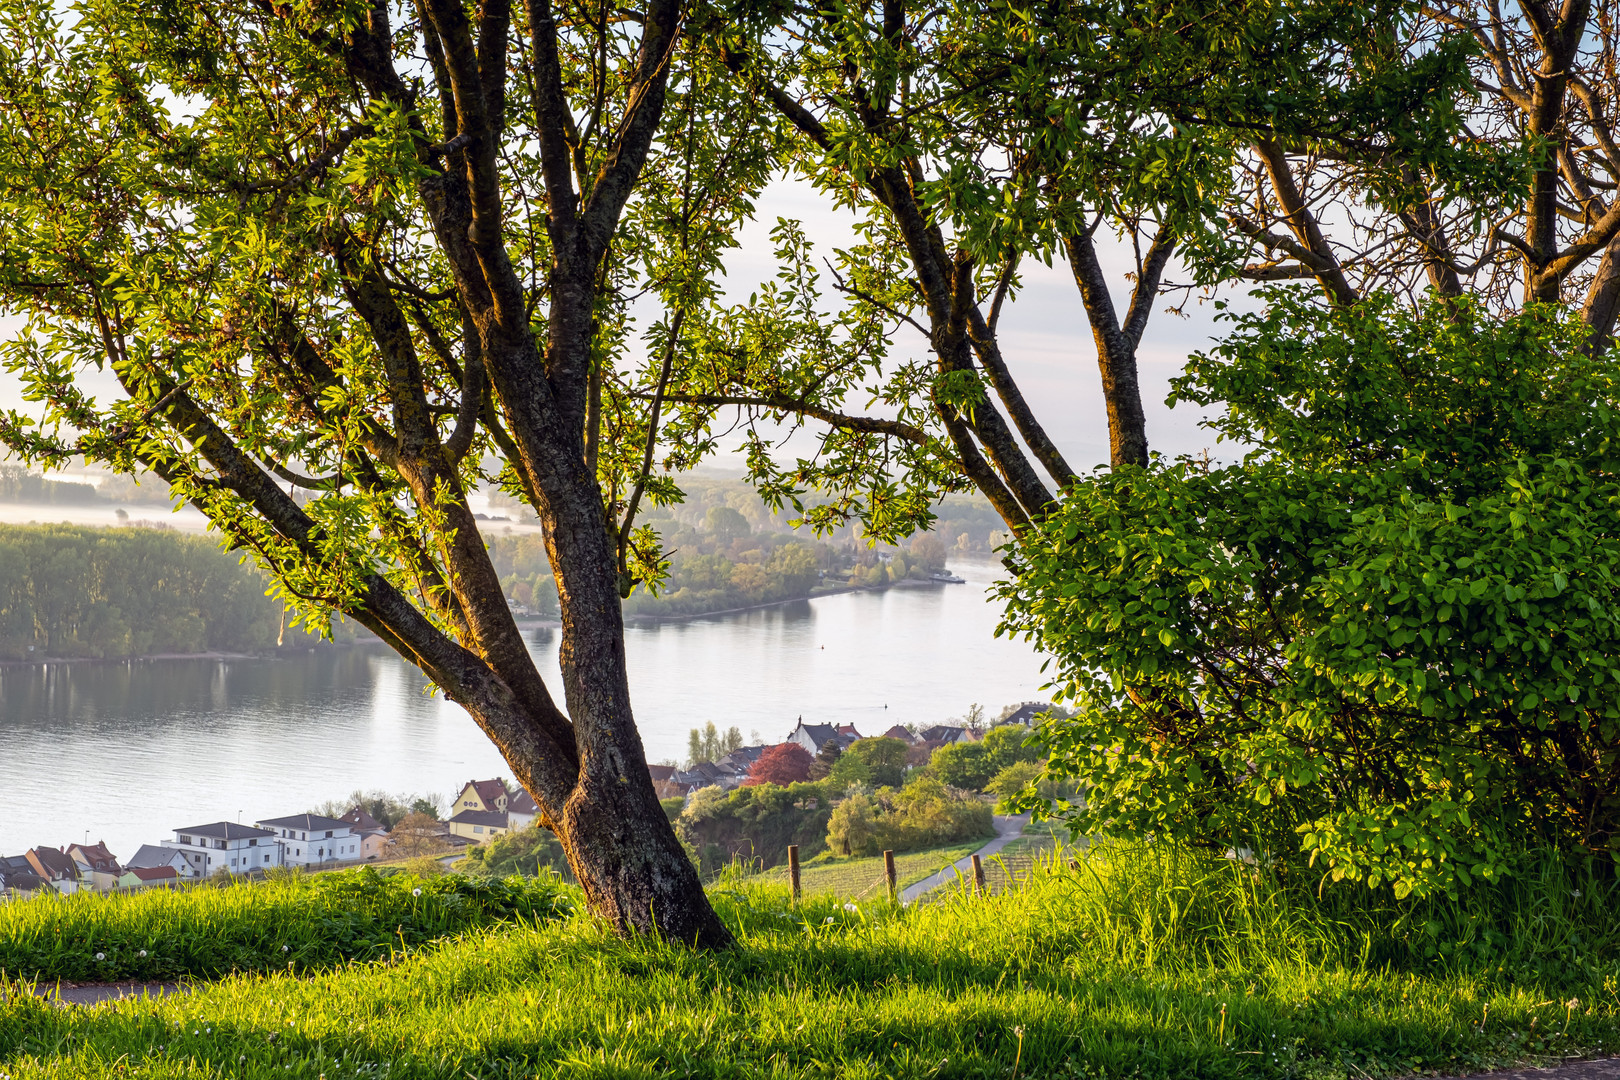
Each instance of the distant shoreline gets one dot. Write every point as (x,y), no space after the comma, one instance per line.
(273,654)
(522,624)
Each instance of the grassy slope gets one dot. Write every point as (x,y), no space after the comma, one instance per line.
(1156,972)
(862,879)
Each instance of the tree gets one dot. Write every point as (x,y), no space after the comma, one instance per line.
(783,764)
(710,745)
(362,260)
(417,834)
(726,523)
(941,128)
(826,759)
(1384,644)
(883,761)
(961,765)
(1537,221)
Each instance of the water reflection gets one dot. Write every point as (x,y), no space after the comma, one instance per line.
(144,747)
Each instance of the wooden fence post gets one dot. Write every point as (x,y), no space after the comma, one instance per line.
(793,871)
(978,873)
(888,872)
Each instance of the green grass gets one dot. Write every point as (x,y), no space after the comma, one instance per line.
(1133,965)
(863,878)
(296,921)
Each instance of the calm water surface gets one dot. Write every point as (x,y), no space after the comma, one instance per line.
(127,753)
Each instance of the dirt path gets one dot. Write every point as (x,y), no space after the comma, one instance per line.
(67,993)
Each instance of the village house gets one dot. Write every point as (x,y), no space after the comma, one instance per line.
(310,839)
(944,735)
(898,732)
(97,867)
(489,796)
(152,857)
(373,837)
(479,825)
(814,736)
(1024,715)
(55,868)
(521,811)
(145,877)
(17,877)
(225,845)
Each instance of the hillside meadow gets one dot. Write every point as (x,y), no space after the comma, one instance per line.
(1130,964)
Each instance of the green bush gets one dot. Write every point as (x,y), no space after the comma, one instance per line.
(923,814)
(297,922)
(971,765)
(879,762)
(530,852)
(1385,645)
(754,823)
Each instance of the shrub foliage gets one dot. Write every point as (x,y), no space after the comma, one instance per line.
(1386,643)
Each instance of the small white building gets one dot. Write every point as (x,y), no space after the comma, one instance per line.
(225,845)
(310,839)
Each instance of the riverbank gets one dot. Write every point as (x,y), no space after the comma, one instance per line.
(837,590)
(152,658)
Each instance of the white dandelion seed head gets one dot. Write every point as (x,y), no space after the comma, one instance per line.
(851,907)
(284,948)
(141,954)
(829,918)
(416,892)
(101,956)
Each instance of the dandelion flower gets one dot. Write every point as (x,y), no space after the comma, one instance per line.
(851,907)
(284,948)
(1576,894)
(141,954)
(829,918)
(101,956)
(416,892)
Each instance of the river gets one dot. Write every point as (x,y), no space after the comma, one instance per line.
(127,753)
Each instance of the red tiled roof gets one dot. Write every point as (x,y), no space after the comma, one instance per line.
(488,790)
(154,873)
(52,865)
(95,856)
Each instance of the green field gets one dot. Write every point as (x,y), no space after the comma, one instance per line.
(1128,966)
(862,879)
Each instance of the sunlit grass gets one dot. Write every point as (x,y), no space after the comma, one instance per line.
(1131,965)
(862,879)
(297,921)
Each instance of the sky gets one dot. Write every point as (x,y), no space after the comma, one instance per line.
(1044,335)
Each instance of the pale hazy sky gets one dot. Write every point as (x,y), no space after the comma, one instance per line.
(1044,335)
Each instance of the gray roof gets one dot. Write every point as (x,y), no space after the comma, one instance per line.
(306,823)
(151,855)
(225,830)
(495,818)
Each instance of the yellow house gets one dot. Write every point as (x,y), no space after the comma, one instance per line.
(488,796)
(480,825)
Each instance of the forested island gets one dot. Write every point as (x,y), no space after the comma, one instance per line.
(74,591)
(83,592)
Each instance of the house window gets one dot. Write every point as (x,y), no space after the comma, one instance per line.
(253,843)
(478,828)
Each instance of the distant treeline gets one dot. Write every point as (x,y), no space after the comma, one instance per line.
(76,591)
(727,550)
(18,485)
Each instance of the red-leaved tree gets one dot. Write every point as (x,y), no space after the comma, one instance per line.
(787,763)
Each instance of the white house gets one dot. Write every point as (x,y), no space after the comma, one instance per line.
(521,811)
(310,839)
(225,845)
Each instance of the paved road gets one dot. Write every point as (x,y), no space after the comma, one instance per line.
(66,993)
(1008,829)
